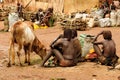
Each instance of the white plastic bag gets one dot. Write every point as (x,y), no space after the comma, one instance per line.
(105,22)
(118,18)
(12,18)
(113,18)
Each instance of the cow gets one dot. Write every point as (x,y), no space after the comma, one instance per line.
(23,35)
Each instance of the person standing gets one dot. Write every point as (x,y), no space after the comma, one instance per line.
(19,10)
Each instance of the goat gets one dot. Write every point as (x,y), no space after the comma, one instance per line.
(24,37)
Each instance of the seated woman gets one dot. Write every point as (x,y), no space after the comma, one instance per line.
(66,53)
(106,55)
(77,46)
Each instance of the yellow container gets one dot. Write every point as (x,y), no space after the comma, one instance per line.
(36,26)
(39,27)
(43,27)
(91,51)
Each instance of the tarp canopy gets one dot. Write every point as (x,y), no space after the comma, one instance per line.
(79,5)
(66,6)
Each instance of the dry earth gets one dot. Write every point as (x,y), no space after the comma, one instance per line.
(83,71)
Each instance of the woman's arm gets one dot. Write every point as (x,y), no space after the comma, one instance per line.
(52,44)
(97,36)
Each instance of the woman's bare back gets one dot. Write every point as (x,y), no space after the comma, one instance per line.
(109,49)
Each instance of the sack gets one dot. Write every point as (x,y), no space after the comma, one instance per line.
(118,18)
(81,39)
(12,18)
(86,43)
(105,22)
(113,18)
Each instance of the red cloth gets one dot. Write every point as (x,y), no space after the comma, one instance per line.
(92,56)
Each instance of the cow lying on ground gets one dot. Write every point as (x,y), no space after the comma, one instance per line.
(24,37)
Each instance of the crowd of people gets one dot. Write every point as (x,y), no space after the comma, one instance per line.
(42,17)
(67,50)
(109,13)
(108,7)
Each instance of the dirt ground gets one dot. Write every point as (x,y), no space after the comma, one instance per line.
(83,71)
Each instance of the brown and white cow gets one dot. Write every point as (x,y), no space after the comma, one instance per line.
(24,37)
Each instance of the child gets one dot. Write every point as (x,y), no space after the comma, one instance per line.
(106,56)
(76,45)
(66,56)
